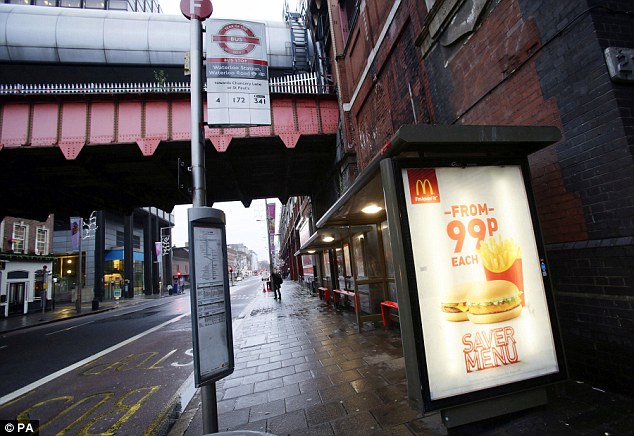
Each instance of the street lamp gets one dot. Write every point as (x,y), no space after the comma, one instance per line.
(82,230)
(166,248)
(44,290)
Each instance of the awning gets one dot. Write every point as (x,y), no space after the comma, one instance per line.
(335,235)
(118,255)
(426,141)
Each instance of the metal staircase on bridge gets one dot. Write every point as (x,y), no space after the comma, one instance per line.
(299,41)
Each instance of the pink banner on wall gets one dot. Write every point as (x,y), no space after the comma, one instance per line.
(75,233)
(270,220)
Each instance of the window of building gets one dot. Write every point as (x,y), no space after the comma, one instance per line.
(41,241)
(18,240)
(95,4)
(120,241)
(118,5)
(19,2)
(51,3)
(349,14)
(70,3)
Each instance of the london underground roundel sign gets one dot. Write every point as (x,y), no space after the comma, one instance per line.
(202,9)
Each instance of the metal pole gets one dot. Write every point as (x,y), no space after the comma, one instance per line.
(197,146)
(210,413)
(44,291)
(268,243)
(78,297)
(199,195)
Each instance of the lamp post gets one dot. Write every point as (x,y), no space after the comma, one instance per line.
(44,291)
(81,230)
(268,241)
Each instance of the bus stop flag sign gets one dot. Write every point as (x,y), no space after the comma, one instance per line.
(202,9)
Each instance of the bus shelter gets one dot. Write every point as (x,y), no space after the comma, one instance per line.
(443,223)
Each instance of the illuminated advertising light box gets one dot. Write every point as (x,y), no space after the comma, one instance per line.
(486,314)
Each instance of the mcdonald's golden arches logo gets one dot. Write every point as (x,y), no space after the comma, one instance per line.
(423,185)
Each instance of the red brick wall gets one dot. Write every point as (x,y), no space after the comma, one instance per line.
(484,93)
(5,244)
(383,102)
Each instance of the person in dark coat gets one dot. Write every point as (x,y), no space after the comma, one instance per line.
(277,285)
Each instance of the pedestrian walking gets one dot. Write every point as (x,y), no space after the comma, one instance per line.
(277,285)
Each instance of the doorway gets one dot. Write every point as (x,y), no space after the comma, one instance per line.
(17,297)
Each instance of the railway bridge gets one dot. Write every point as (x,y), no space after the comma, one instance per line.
(95,114)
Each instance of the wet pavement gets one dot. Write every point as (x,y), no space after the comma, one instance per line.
(303,368)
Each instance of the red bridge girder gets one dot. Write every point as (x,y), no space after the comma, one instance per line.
(71,124)
(69,155)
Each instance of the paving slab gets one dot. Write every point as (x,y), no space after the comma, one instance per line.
(304,369)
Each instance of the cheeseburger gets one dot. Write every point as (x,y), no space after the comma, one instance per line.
(494,301)
(454,304)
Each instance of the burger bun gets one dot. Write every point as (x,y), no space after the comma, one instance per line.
(454,303)
(493,301)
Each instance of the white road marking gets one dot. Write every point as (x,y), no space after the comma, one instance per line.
(69,328)
(61,372)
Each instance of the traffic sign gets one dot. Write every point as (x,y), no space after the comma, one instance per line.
(202,9)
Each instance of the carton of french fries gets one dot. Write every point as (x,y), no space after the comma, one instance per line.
(502,260)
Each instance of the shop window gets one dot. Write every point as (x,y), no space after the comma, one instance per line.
(19,2)
(41,241)
(50,3)
(138,277)
(18,240)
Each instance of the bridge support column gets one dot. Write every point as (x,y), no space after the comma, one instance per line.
(128,256)
(100,247)
(148,250)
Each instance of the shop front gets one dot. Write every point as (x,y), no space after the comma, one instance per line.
(114,282)
(441,228)
(25,285)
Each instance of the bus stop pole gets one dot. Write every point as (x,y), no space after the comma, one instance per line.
(199,195)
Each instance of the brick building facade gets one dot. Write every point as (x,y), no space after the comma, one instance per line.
(516,62)
(25,264)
